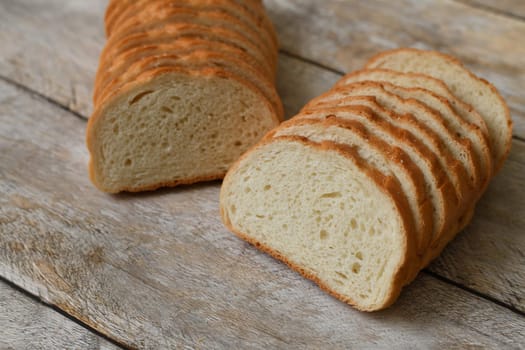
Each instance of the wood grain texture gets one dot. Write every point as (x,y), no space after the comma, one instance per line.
(510,7)
(27,324)
(159,269)
(344,34)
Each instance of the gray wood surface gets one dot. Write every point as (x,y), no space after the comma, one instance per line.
(160,270)
(505,7)
(27,324)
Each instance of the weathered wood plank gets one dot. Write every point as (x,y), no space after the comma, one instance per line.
(488,256)
(512,7)
(159,269)
(53,47)
(344,34)
(26,324)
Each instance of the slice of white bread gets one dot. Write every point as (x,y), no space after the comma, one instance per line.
(327,213)
(174,126)
(400,131)
(389,159)
(418,80)
(463,84)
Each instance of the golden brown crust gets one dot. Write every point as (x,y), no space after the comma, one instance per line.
(405,271)
(172,31)
(153,187)
(209,19)
(192,60)
(228,6)
(371,63)
(123,60)
(360,75)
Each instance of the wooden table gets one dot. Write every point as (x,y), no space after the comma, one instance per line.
(82,269)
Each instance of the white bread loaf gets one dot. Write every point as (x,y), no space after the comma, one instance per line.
(296,196)
(182,90)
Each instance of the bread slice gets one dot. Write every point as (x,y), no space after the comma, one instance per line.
(463,84)
(156,19)
(327,213)
(430,124)
(173,126)
(121,63)
(389,159)
(400,131)
(225,6)
(196,59)
(417,80)
(172,31)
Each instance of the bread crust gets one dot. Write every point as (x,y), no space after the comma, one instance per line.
(209,19)
(462,128)
(172,31)
(405,269)
(195,59)
(122,61)
(227,6)
(375,62)
(419,80)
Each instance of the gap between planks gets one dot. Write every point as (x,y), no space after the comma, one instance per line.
(35,298)
(56,103)
(491,9)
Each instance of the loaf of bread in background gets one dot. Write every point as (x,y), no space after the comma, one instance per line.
(371,180)
(183,88)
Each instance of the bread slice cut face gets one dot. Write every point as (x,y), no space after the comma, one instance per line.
(170,126)
(327,213)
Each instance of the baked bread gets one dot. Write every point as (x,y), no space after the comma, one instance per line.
(344,224)
(182,90)
(479,93)
(384,154)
